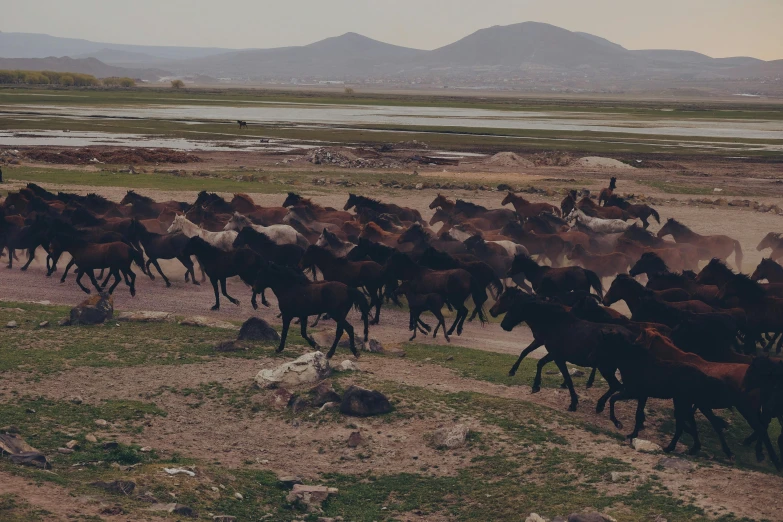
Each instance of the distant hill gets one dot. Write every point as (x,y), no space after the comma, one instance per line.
(121,58)
(91,66)
(767,70)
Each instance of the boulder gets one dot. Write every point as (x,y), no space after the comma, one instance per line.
(324,393)
(255,329)
(146,317)
(12,324)
(535,517)
(310,496)
(96,309)
(355,439)
(348,366)
(201,321)
(310,367)
(362,402)
(451,437)
(289,481)
(299,404)
(645,446)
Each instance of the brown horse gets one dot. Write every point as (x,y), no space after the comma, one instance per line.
(626,288)
(769,270)
(322,213)
(265,216)
(591,208)
(607,192)
(553,282)
(773,240)
(605,265)
(404,213)
(298,297)
(357,274)
(719,246)
(550,246)
(376,234)
(642,212)
(420,303)
(527,209)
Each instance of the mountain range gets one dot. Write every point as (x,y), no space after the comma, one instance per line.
(530,53)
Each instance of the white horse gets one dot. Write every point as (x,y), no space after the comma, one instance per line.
(222,240)
(334,244)
(280,234)
(599,225)
(511,247)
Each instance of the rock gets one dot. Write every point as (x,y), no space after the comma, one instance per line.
(145,449)
(255,329)
(11,324)
(310,367)
(310,496)
(169,508)
(179,471)
(184,511)
(201,321)
(299,404)
(374,346)
(77,400)
(324,393)
(645,446)
(124,487)
(96,309)
(43,324)
(64,322)
(231,346)
(73,444)
(91,438)
(675,463)
(362,402)
(101,423)
(355,439)
(573,372)
(419,186)
(616,476)
(238,496)
(330,406)
(348,366)
(452,437)
(110,445)
(224,518)
(64,451)
(535,517)
(146,317)
(280,398)
(289,481)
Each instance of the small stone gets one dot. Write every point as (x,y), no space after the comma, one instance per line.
(73,444)
(185,511)
(111,445)
(348,366)
(91,438)
(675,463)
(256,329)
(224,518)
(238,496)
(451,358)
(452,437)
(145,449)
(574,372)
(645,446)
(363,402)
(12,324)
(329,406)
(311,496)
(101,423)
(374,346)
(310,367)
(616,476)
(355,439)
(299,404)
(77,400)
(64,451)
(43,324)
(64,322)
(535,517)
(323,393)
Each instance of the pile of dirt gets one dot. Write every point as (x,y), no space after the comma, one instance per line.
(508,159)
(124,156)
(552,159)
(597,162)
(347,158)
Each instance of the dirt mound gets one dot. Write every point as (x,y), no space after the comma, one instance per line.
(134,156)
(552,159)
(348,158)
(597,162)
(509,159)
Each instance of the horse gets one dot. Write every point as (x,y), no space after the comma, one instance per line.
(373,232)
(324,213)
(566,338)
(773,240)
(719,246)
(549,246)
(527,209)
(476,243)
(297,296)
(606,193)
(591,208)
(598,225)
(116,256)
(642,212)
(404,213)
(553,282)
(626,288)
(421,239)
(420,303)
(717,273)
(334,244)
(242,124)
(454,285)
(367,274)
(164,246)
(605,265)
(28,237)
(222,240)
(768,269)
(131,197)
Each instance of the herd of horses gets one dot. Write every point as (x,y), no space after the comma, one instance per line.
(696,334)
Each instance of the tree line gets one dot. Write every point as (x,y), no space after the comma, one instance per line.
(65,79)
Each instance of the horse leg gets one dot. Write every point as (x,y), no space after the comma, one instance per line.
(303,328)
(678,428)
(349,328)
(149,272)
(65,272)
(337,335)
(441,322)
(30,257)
(217,295)
(639,424)
(591,379)
(283,334)
(105,281)
(203,274)
(622,395)
(539,368)
(94,281)
(464,315)
(460,308)
(532,346)
(614,385)
(157,266)
(79,274)
(376,297)
(645,224)
(116,273)
(718,425)
(131,275)
(760,428)
(413,324)
(225,293)
(564,370)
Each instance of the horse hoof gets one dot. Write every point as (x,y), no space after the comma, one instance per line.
(215,308)
(668,449)
(572,407)
(618,425)
(152,277)
(599,408)
(535,389)
(511,373)
(196,283)
(168,285)
(694,451)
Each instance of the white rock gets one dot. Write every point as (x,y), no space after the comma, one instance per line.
(11,324)
(200,320)
(535,517)
(238,496)
(310,367)
(645,446)
(451,437)
(178,471)
(146,317)
(348,366)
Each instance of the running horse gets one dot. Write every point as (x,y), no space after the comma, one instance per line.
(527,209)
(719,246)
(606,193)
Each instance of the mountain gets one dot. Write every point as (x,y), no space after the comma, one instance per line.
(765,70)
(121,58)
(349,55)
(91,66)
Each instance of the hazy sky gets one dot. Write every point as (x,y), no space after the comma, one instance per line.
(715,27)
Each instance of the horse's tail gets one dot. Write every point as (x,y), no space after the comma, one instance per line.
(361,304)
(655,215)
(738,255)
(595,282)
(495,287)
(558,212)
(138,257)
(479,294)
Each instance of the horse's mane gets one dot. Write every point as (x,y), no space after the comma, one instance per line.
(40,191)
(543,222)
(467,205)
(677,224)
(332,238)
(370,202)
(140,198)
(256,235)
(720,266)
(636,233)
(244,197)
(747,286)
(290,273)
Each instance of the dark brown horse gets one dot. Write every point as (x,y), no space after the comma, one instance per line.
(404,213)
(553,282)
(643,212)
(164,246)
(719,246)
(526,209)
(769,270)
(420,303)
(607,192)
